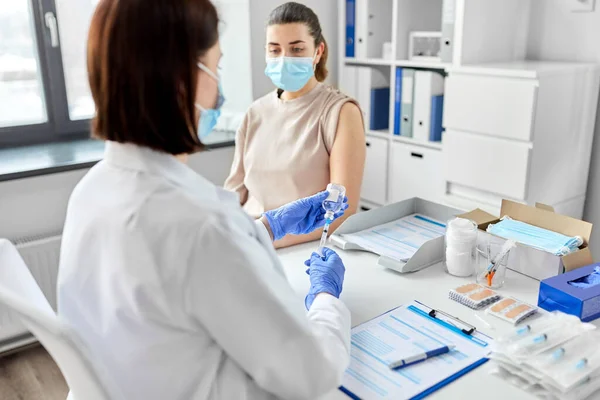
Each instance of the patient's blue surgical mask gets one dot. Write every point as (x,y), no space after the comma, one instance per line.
(290,73)
(209,117)
(533,236)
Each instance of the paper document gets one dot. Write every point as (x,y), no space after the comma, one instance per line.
(402,332)
(398,239)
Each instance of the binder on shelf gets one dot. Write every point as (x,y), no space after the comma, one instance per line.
(437,112)
(448,18)
(361,28)
(380,109)
(431,252)
(427,85)
(398,101)
(350,27)
(372,27)
(372,86)
(406,123)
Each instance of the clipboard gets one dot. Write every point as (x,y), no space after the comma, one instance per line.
(393,335)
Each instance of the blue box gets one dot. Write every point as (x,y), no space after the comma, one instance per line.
(557,294)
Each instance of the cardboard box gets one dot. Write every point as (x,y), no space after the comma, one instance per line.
(532,262)
(557,294)
(431,252)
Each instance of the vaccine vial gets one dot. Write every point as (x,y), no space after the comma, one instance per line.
(334,202)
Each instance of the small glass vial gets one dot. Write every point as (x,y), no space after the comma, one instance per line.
(334,202)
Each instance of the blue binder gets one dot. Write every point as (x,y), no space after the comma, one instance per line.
(398,102)
(437,111)
(350,27)
(425,311)
(380,109)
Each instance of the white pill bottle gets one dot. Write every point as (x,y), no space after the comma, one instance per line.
(461,245)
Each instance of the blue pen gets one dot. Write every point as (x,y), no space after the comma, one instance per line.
(417,358)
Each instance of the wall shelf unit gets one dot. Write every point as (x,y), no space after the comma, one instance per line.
(505,119)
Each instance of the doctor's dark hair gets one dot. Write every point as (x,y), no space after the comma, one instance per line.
(292,13)
(142,68)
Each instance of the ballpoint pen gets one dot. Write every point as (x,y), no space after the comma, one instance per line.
(417,358)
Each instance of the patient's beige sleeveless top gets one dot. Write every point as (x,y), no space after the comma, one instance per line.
(282,148)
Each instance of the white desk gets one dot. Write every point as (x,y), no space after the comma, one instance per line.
(370,290)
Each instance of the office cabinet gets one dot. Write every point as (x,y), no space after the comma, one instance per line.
(415,172)
(486,163)
(521,131)
(374,187)
(495,106)
(512,128)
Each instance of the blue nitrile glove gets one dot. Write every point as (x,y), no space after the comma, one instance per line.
(326,275)
(301,216)
(588,281)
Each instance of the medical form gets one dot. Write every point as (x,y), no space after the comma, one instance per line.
(399,239)
(402,332)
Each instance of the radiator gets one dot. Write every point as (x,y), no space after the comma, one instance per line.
(41,255)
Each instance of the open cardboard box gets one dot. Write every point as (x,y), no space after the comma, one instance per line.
(527,260)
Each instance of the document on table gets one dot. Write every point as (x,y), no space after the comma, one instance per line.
(402,332)
(400,239)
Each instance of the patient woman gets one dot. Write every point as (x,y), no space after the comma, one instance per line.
(303,135)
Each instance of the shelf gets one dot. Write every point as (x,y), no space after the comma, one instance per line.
(521,69)
(430,145)
(422,64)
(369,61)
(398,63)
(379,134)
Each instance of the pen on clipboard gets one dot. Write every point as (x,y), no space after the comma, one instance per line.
(417,358)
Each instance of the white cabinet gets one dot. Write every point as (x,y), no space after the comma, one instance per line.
(415,172)
(521,131)
(486,163)
(514,128)
(494,106)
(374,186)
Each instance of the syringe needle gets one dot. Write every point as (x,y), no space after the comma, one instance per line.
(323,239)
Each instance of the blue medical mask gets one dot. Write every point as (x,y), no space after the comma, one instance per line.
(290,73)
(533,236)
(209,117)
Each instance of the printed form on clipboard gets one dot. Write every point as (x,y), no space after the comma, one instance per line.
(402,332)
(399,239)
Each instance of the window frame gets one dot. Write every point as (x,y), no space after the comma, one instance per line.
(59,126)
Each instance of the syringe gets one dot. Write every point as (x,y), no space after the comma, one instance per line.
(332,204)
(324,237)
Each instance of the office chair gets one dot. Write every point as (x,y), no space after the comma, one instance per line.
(21,293)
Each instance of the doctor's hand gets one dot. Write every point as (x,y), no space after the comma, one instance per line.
(301,216)
(326,275)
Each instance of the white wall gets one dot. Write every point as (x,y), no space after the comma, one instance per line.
(326,10)
(35,206)
(556,33)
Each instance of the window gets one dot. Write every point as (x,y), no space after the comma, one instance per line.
(44,93)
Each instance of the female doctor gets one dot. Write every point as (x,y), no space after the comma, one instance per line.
(177,292)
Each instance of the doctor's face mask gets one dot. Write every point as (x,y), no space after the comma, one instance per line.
(209,117)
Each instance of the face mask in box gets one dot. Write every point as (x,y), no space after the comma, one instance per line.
(533,236)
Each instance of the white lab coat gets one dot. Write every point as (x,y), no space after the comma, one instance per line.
(181,295)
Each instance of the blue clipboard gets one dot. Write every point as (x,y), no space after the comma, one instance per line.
(445,381)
